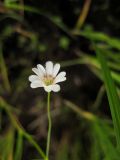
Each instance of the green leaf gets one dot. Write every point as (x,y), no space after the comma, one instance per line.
(113,98)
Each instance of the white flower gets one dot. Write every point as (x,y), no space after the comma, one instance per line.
(47,77)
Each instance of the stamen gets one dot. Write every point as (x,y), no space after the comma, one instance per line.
(48,80)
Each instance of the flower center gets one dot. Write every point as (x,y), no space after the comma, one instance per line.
(48,80)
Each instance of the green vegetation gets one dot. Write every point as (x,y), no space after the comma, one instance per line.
(86,113)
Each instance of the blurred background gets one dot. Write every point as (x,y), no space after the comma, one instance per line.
(33,32)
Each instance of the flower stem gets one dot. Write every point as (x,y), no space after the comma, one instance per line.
(49,126)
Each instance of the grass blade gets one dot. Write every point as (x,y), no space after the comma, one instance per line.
(19,147)
(100,37)
(113,98)
(4,72)
(7,145)
(101,133)
(100,130)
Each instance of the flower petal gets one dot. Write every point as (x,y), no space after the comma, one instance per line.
(41,68)
(60,77)
(49,68)
(33,78)
(37,71)
(48,88)
(56,69)
(36,84)
(60,80)
(56,88)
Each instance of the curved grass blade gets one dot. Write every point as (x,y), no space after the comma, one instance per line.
(54,19)
(99,37)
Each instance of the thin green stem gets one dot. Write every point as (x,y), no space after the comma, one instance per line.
(49,126)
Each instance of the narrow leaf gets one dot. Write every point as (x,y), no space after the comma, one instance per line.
(113,98)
